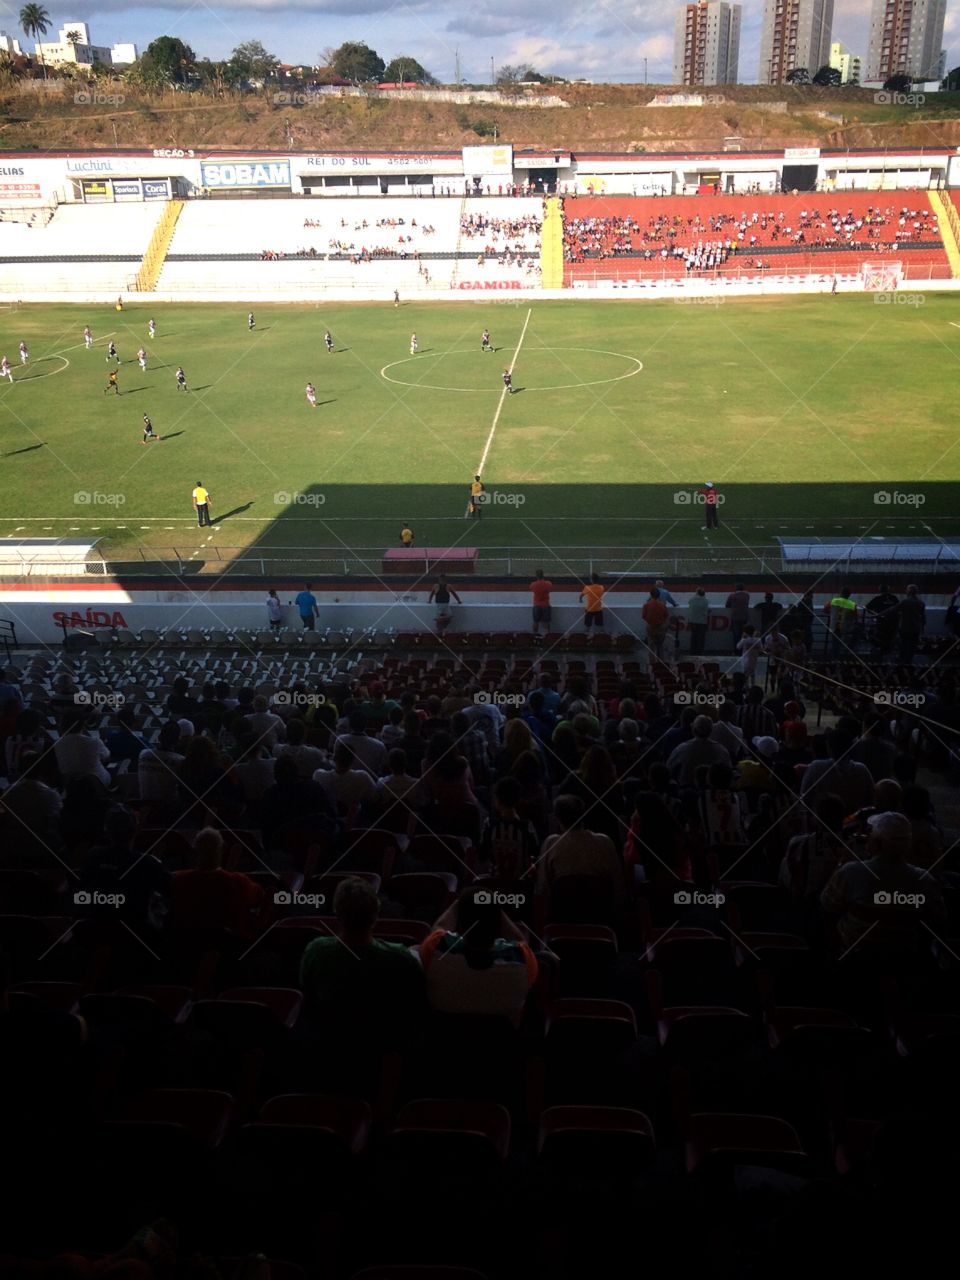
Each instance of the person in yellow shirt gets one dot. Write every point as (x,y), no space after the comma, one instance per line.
(406,535)
(592,596)
(201,504)
(476,497)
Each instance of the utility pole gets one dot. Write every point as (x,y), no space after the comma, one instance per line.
(493,79)
(457,65)
(644,71)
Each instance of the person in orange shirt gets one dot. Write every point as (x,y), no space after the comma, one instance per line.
(657,617)
(592,596)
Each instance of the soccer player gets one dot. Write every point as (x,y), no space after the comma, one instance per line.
(311,395)
(406,535)
(119,304)
(508,380)
(396,297)
(112,382)
(142,359)
(476,494)
(251,322)
(112,352)
(24,353)
(151,328)
(181,378)
(5,370)
(201,504)
(148,431)
(88,337)
(414,348)
(485,341)
(328,341)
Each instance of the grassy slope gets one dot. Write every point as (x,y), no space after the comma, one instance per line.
(799,409)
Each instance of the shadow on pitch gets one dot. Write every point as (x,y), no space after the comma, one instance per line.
(172,435)
(237,511)
(29,448)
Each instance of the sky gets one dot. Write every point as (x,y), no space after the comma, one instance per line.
(601,40)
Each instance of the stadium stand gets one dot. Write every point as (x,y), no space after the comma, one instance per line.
(674,237)
(82,248)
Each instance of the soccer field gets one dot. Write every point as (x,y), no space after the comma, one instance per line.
(800,410)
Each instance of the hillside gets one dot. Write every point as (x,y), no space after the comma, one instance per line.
(597,117)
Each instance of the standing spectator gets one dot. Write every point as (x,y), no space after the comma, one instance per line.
(346,787)
(578,852)
(208,897)
(471,740)
(768,611)
(911,615)
(263,724)
(157,773)
(656,616)
(738,602)
(440,594)
(376,707)
(702,749)
(849,779)
(665,595)
(123,742)
(306,758)
(842,618)
(813,857)
(749,647)
(399,788)
(541,588)
(881,609)
(274,611)
(138,877)
(727,732)
(711,502)
(306,603)
(370,753)
(802,618)
(201,504)
(509,845)
(698,618)
(592,597)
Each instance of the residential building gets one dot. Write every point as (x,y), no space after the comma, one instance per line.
(82,51)
(123,54)
(707,43)
(795,35)
(906,39)
(850,65)
(8,44)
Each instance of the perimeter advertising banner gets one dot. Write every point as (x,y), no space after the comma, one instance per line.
(488,162)
(232,174)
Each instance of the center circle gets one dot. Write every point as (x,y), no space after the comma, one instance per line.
(30,376)
(636,368)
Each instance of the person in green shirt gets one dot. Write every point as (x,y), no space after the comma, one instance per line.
(373,987)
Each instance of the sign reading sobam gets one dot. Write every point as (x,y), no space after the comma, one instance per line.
(245,173)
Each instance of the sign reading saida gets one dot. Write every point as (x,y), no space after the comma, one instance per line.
(245,173)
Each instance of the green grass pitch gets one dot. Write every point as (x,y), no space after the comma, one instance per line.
(799,409)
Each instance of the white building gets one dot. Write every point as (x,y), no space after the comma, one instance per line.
(706,47)
(82,52)
(850,65)
(906,39)
(10,45)
(796,34)
(123,54)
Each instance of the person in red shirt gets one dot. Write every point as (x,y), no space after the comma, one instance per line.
(541,588)
(710,503)
(210,897)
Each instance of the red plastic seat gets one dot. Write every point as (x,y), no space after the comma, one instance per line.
(724,1139)
(691,1033)
(440,1124)
(284,1003)
(448,853)
(424,895)
(174,1001)
(349,1118)
(596,1138)
(203,1114)
(58,995)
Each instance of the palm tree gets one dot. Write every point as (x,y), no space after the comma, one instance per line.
(35,23)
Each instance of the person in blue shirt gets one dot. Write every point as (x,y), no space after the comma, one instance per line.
(306,603)
(665,595)
(123,742)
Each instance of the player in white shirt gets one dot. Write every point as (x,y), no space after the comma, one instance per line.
(181,378)
(413,344)
(251,322)
(5,370)
(328,341)
(485,341)
(311,392)
(142,359)
(24,353)
(88,337)
(152,328)
(274,611)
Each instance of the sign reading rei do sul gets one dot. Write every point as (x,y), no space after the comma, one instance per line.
(245,173)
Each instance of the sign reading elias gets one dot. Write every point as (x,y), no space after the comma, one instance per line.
(92,618)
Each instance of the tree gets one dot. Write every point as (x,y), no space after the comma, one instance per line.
(952,81)
(898,84)
(799,75)
(829,76)
(357,62)
(402,70)
(252,62)
(35,23)
(167,60)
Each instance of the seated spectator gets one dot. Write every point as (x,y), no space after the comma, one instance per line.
(208,897)
(211,711)
(517,738)
(627,750)
(701,749)
(472,743)
(579,852)
(254,770)
(413,743)
(29,737)
(756,720)
(85,804)
(875,748)
(205,777)
(264,724)
(34,806)
(541,721)
(376,707)
(682,731)
(369,753)
(180,703)
(138,877)
(158,771)
(123,742)
(727,732)
(347,787)
(476,960)
(293,799)
(927,847)
(374,985)
(865,895)
(399,790)
(307,759)
(849,779)
(722,810)
(392,732)
(812,858)
(564,754)
(79,750)
(597,785)
(509,844)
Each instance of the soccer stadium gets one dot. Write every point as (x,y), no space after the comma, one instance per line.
(479,703)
